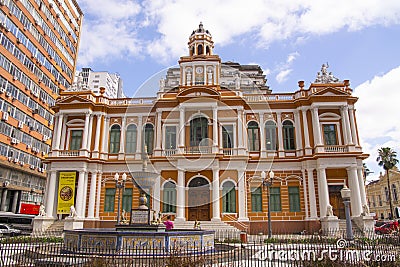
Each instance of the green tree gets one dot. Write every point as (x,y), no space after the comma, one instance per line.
(387,159)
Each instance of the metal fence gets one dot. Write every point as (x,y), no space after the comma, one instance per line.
(283,250)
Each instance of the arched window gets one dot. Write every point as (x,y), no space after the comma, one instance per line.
(254,136)
(228,197)
(288,135)
(131,137)
(149,138)
(169,197)
(207,50)
(270,134)
(115,135)
(394,192)
(198,131)
(200,49)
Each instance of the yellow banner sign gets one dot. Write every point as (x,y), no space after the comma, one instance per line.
(66,192)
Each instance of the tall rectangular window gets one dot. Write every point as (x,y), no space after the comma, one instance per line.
(127,199)
(170,137)
(294,198)
(227,136)
(275,198)
(256,199)
(109,200)
(330,134)
(76,140)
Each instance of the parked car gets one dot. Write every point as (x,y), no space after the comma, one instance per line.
(387,228)
(7,230)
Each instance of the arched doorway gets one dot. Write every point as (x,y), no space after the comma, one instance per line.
(199,200)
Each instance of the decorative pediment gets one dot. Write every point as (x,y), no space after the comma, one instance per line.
(329,91)
(73,99)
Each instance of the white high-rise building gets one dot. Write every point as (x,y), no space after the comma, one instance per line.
(94,80)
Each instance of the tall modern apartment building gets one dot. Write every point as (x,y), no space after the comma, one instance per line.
(94,80)
(38,52)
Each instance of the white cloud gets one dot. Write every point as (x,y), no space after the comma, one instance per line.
(285,69)
(377,115)
(282,75)
(171,22)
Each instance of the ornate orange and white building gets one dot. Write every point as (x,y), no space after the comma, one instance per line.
(210,132)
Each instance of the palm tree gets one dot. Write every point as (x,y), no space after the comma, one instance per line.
(387,159)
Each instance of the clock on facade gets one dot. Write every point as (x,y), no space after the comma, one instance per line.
(199,70)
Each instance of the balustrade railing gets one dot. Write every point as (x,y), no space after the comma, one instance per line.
(69,153)
(336,149)
(198,150)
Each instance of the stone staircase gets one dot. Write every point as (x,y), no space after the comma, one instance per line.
(223,231)
(55,230)
(342,227)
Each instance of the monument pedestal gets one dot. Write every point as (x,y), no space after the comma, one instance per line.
(330,224)
(365,223)
(41,223)
(72,223)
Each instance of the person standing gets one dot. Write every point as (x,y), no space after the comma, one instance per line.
(169,225)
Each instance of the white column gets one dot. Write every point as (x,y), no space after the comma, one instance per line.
(311,193)
(305,126)
(92,195)
(63,134)
(240,125)
(355,198)
(280,133)
(181,196)
(139,137)
(316,127)
(85,131)
(242,196)
(303,172)
(181,130)
(361,184)
(215,195)
(157,196)
(105,135)
(323,192)
(80,194)
(51,193)
(57,138)
(346,134)
(159,131)
(98,195)
(122,139)
(85,193)
(90,129)
(353,125)
(262,135)
(97,134)
(299,145)
(347,125)
(215,130)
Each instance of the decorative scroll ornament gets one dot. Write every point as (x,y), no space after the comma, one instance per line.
(324,77)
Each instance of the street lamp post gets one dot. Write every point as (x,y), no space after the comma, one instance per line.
(346,193)
(268,182)
(119,184)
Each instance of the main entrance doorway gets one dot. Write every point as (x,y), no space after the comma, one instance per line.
(335,198)
(199,200)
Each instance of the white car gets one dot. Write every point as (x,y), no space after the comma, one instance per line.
(6,230)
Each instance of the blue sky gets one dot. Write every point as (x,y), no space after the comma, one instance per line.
(289,39)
